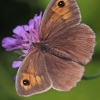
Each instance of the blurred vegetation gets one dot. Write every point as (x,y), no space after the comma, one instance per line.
(18,12)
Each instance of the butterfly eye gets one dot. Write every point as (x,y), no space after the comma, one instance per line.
(61,4)
(26,82)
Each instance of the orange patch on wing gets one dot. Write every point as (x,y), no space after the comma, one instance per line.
(54,18)
(38,79)
(67,16)
(31,69)
(61,11)
(30,78)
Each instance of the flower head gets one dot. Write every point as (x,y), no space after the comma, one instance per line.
(23,38)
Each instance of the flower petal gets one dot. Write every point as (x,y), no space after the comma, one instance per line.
(14,78)
(16,64)
(26,27)
(19,30)
(9,42)
(35,22)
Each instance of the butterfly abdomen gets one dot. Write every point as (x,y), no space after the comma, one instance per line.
(59,53)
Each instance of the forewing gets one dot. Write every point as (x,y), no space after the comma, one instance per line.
(32,76)
(57,18)
(64,74)
(77,42)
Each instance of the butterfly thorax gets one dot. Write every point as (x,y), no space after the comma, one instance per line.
(42,46)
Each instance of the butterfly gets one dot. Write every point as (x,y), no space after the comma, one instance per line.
(58,60)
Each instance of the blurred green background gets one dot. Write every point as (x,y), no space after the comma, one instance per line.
(18,12)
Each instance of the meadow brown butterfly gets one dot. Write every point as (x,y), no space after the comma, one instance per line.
(58,60)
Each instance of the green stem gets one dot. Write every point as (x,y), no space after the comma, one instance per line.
(91,77)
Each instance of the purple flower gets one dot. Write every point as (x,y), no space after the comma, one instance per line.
(23,38)
(16,64)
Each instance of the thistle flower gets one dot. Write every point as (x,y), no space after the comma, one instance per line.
(23,38)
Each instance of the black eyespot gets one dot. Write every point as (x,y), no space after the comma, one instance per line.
(26,82)
(61,4)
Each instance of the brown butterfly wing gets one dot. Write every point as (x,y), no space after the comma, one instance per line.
(32,76)
(78,43)
(64,74)
(57,18)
